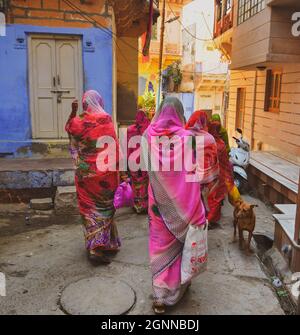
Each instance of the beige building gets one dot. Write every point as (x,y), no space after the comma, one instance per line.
(265,72)
(262,40)
(204,71)
(172,52)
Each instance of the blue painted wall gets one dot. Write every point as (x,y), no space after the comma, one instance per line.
(15,119)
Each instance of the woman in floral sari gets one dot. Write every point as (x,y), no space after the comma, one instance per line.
(95,188)
(139,178)
(174,203)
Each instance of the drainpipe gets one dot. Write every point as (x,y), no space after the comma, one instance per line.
(253,110)
(115,72)
(297,221)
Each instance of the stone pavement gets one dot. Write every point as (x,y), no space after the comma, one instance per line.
(41,262)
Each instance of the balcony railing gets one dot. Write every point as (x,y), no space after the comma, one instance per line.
(224,24)
(170,49)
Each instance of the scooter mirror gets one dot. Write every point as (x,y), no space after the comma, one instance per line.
(239,130)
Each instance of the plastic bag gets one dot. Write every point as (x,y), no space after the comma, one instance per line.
(123,196)
(195,253)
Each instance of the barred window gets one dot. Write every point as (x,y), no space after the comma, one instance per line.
(273,91)
(228,6)
(248,8)
(219,9)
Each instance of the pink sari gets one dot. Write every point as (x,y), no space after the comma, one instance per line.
(174,204)
(139,179)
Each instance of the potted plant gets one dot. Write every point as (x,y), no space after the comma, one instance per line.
(149,104)
(173,76)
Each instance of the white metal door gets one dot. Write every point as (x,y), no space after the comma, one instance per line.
(56,80)
(44,100)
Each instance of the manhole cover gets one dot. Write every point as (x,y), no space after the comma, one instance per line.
(97,296)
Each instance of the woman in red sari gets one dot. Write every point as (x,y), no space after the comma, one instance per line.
(95,188)
(139,179)
(208,171)
(217,196)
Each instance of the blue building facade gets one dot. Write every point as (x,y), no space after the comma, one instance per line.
(15,111)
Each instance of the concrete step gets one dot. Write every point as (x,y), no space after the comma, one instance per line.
(23,179)
(45,149)
(66,201)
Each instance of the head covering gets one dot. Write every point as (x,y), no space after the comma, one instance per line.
(214,128)
(223,131)
(93,102)
(208,166)
(169,118)
(137,129)
(141,122)
(86,131)
(216,117)
(198,120)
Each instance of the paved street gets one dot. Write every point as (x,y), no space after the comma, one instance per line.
(40,262)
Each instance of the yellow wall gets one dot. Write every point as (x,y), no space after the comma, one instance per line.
(172,46)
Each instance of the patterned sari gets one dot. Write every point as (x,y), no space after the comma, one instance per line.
(174,203)
(95,188)
(198,125)
(226,182)
(139,179)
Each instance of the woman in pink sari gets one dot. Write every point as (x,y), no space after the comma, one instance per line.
(139,178)
(174,203)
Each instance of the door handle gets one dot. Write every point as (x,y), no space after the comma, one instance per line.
(58,91)
(59,98)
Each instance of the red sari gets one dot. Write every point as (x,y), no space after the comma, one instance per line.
(216,197)
(95,189)
(139,179)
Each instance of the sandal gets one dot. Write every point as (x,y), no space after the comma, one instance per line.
(158,308)
(213,225)
(111,252)
(97,258)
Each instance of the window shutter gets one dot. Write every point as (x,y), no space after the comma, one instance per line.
(268,90)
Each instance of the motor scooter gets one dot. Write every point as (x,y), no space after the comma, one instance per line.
(240,158)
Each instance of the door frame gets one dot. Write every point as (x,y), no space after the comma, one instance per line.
(239,111)
(31,37)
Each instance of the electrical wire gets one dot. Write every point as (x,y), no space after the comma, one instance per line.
(95,22)
(185,28)
(111,34)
